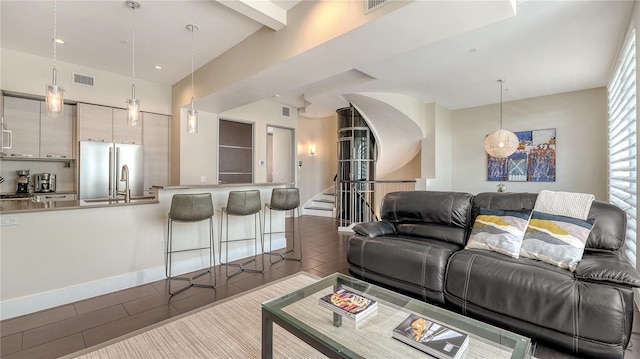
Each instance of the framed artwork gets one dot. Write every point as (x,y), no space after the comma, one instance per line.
(533,161)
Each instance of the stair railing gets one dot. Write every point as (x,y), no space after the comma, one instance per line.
(359,201)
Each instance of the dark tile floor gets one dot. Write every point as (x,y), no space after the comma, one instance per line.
(62,330)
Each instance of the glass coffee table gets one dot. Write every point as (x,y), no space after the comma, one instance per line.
(336,337)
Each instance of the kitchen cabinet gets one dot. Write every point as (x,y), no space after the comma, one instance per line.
(155,133)
(106,124)
(95,123)
(122,132)
(56,134)
(22,117)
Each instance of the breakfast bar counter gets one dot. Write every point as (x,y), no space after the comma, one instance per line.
(53,253)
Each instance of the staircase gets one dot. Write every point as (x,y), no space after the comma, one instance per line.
(322,205)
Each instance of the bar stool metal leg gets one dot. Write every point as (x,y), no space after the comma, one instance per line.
(284,199)
(242,203)
(190,208)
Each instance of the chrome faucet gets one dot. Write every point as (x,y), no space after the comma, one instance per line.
(124,177)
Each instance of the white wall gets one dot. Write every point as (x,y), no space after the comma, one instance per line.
(580,120)
(437,158)
(317,171)
(199,153)
(29,74)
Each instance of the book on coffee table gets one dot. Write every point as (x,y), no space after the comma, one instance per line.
(431,337)
(349,304)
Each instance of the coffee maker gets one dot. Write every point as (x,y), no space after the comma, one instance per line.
(45,182)
(23,182)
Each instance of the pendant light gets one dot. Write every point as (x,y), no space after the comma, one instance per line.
(192,115)
(133,105)
(54,93)
(501,143)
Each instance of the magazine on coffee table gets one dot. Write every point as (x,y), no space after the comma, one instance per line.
(431,337)
(349,304)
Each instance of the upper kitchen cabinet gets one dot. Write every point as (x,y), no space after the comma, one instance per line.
(106,124)
(155,133)
(22,117)
(56,134)
(122,132)
(95,123)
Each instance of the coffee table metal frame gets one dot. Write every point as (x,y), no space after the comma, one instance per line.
(272,313)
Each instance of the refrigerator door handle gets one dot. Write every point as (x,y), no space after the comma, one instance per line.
(111,192)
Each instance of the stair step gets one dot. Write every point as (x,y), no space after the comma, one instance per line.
(324,200)
(317,208)
(329,193)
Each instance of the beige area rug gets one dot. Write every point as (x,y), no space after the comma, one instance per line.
(232,328)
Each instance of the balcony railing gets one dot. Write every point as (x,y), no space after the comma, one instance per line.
(359,201)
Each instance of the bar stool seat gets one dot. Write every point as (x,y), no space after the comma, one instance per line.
(284,199)
(242,203)
(190,208)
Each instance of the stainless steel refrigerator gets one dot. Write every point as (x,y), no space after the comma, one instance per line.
(101,169)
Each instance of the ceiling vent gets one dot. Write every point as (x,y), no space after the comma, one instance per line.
(371,5)
(286,111)
(83,79)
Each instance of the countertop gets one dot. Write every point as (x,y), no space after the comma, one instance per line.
(24,206)
(196,186)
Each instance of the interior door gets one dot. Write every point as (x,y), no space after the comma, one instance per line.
(280,154)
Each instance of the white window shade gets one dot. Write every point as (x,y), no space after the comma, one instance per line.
(623,142)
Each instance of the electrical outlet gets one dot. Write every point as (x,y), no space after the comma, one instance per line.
(203,179)
(8,221)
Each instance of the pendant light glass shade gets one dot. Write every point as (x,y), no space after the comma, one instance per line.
(54,94)
(192,119)
(133,105)
(133,109)
(501,143)
(192,115)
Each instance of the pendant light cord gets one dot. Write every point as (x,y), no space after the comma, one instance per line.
(55,34)
(192,55)
(501,83)
(133,43)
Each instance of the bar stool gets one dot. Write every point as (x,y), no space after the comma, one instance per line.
(284,199)
(190,208)
(241,203)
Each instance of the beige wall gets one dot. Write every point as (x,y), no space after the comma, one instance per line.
(199,153)
(317,171)
(580,120)
(28,74)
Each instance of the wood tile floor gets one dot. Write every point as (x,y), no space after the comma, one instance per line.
(62,330)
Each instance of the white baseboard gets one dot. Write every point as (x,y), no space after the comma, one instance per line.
(20,306)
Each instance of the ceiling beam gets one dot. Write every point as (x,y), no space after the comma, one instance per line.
(263,11)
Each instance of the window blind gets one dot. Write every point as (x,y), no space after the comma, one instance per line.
(622,141)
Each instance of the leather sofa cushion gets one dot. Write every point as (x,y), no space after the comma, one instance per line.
(607,269)
(428,214)
(421,263)
(374,229)
(536,292)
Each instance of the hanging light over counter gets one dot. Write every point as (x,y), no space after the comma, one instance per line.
(133,105)
(192,115)
(54,93)
(501,143)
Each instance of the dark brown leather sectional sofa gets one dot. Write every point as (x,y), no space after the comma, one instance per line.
(418,248)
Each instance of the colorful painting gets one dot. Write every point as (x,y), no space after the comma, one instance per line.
(533,161)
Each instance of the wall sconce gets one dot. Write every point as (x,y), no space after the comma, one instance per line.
(312,149)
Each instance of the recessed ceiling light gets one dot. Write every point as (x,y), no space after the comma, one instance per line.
(474,49)
(59,41)
(157,67)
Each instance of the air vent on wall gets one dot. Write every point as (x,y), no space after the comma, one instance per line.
(83,79)
(371,5)
(286,111)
